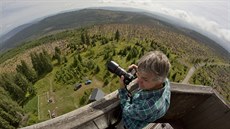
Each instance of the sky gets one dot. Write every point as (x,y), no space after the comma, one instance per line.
(210,16)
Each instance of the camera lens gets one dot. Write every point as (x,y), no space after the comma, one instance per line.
(114,68)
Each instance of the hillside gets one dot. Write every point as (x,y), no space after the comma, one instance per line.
(76,55)
(87,17)
(71,20)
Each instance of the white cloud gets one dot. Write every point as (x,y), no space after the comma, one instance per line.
(206,25)
(211,17)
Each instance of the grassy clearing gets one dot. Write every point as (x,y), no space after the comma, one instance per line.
(64,98)
(32,105)
(32,108)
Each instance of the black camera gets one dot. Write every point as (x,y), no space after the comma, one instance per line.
(115,68)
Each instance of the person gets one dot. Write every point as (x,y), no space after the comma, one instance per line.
(152,99)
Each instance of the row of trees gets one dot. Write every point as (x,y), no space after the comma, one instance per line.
(17,88)
(42,63)
(10,111)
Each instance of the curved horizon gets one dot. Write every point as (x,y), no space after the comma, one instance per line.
(206,17)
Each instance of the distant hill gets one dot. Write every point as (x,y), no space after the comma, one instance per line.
(71,20)
(87,17)
(13,32)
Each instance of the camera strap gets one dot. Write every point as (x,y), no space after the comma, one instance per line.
(129,94)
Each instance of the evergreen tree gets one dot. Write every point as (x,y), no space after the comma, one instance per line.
(79,58)
(10,112)
(128,58)
(117,36)
(9,118)
(28,72)
(133,53)
(75,62)
(93,42)
(142,52)
(37,65)
(5,124)
(59,59)
(65,59)
(87,39)
(22,82)
(97,69)
(114,52)
(47,62)
(104,40)
(15,92)
(106,56)
(57,55)
(84,99)
(57,50)
(41,63)
(83,38)
(106,82)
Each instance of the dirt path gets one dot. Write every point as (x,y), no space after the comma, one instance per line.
(39,117)
(191,72)
(195,67)
(189,75)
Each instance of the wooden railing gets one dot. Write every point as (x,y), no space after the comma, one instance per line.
(192,107)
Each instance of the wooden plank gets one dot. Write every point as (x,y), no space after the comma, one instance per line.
(88,125)
(182,104)
(206,115)
(102,122)
(218,123)
(191,89)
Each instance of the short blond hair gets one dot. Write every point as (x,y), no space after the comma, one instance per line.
(155,62)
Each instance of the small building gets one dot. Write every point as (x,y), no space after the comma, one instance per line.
(96,95)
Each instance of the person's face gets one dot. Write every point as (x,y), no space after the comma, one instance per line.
(147,81)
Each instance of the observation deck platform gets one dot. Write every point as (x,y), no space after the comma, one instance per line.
(192,107)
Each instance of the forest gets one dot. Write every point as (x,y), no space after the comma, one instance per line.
(38,77)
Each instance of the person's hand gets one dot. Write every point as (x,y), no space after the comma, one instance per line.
(122,84)
(132,66)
